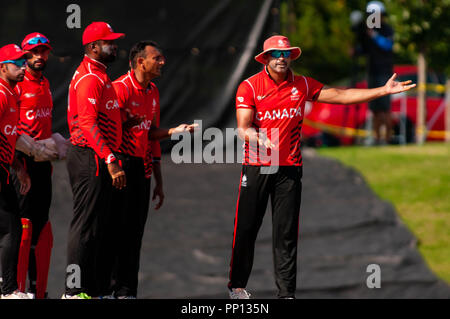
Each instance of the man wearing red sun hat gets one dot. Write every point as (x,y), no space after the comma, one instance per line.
(92,161)
(269,110)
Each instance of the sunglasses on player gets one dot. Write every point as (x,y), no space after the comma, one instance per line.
(37,40)
(277,53)
(19,62)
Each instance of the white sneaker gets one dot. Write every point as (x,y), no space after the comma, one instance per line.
(15,295)
(31,295)
(239,293)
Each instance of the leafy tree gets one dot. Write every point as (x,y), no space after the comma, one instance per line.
(321,28)
(423,27)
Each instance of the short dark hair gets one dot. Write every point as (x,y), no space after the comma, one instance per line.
(138,51)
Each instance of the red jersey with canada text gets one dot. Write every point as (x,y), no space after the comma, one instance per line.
(278,114)
(93,113)
(35,106)
(138,101)
(9,116)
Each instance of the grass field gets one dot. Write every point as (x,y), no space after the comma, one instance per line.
(416,179)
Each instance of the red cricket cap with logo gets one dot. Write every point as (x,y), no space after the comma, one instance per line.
(35,39)
(100,31)
(13,52)
(278,42)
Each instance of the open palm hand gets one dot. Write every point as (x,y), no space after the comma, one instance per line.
(393,87)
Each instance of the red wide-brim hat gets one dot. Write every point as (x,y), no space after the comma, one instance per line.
(278,42)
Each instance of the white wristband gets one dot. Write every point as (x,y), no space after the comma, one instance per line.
(111,158)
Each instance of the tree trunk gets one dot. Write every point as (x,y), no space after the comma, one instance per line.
(292,18)
(421,99)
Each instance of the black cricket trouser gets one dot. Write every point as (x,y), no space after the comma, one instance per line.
(35,205)
(10,231)
(131,220)
(284,188)
(92,198)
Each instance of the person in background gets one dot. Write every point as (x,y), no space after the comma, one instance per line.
(377,44)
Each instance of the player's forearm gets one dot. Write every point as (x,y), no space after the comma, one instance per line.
(157,133)
(248,134)
(157,173)
(17,164)
(350,96)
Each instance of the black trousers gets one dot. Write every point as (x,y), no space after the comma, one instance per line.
(131,219)
(10,231)
(35,205)
(284,189)
(92,211)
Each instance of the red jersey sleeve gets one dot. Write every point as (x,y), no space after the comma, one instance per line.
(3,103)
(314,87)
(155,146)
(245,96)
(89,93)
(153,153)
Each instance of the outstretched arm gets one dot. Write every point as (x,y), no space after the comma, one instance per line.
(352,96)
(157,133)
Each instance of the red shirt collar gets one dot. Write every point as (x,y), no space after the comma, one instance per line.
(95,62)
(5,85)
(30,76)
(135,82)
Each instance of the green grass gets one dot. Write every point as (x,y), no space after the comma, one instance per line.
(416,179)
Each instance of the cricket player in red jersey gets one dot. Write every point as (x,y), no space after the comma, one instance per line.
(95,133)
(12,71)
(35,137)
(269,110)
(139,103)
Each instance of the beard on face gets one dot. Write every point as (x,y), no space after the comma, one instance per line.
(20,77)
(32,65)
(108,53)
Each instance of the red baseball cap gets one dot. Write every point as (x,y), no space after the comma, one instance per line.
(13,52)
(100,31)
(278,42)
(35,39)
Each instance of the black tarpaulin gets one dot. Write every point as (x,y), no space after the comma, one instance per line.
(344,228)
